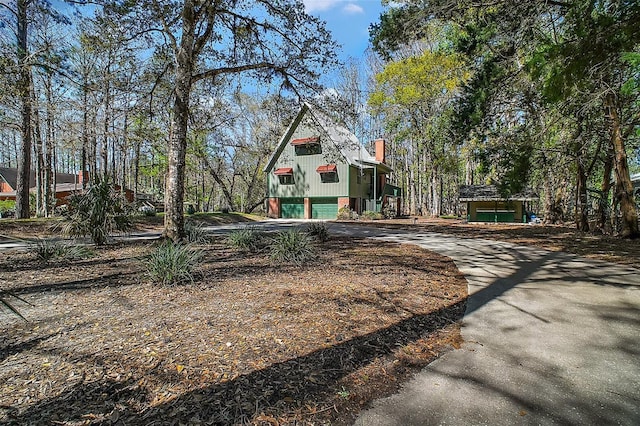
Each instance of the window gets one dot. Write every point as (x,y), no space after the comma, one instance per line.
(286,179)
(307,146)
(330,177)
(285,175)
(311,149)
(328,173)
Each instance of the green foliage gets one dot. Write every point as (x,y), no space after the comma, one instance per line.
(7,206)
(318,230)
(247,239)
(48,250)
(344,213)
(195,232)
(97,213)
(418,80)
(371,215)
(388,212)
(292,247)
(172,263)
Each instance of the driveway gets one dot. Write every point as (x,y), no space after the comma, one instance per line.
(550,339)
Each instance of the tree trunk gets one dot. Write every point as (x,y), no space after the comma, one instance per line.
(39,160)
(174,191)
(84,162)
(624,187)
(602,215)
(49,189)
(581,213)
(582,218)
(104,151)
(24,89)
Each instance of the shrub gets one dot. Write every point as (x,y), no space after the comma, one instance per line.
(97,213)
(344,213)
(247,239)
(318,230)
(7,208)
(388,212)
(195,232)
(47,250)
(172,263)
(292,246)
(371,215)
(147,210)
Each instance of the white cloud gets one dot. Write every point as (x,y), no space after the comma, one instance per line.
(319,5)
(353,8)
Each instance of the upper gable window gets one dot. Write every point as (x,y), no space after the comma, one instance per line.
(307,146)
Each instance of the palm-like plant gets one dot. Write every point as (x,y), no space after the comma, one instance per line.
(97,213)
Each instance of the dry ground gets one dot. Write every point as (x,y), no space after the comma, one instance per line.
(247,343)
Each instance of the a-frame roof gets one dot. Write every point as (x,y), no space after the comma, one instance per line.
(344,140)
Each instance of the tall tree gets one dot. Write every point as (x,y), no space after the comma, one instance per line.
(212,40)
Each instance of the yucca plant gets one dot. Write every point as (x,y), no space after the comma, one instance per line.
(47,250)
(318,230)
(248,239)
(172,263)
(195,232)
(97,213)
(291,246)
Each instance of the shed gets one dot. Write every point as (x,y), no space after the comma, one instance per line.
(485,203)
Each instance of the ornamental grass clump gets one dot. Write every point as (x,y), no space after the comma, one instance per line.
(195,232)
(292,247)
(247,239)
(173,263)
(318,230)
(48,250)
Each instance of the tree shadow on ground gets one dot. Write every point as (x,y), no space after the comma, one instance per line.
(280,388)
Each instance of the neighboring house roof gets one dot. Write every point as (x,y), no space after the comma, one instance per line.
(10,175)
(492,193)
(347,143)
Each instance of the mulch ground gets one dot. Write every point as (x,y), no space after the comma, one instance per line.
(247,343)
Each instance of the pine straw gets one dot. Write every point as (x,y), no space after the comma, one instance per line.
(248,343)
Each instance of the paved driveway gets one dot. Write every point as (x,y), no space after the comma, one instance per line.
(550,339)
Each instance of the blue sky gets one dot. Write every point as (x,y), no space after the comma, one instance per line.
(348,20)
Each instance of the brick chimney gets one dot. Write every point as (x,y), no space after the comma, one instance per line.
(83,177)
(379,145)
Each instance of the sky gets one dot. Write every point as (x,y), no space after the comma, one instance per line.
(348,21)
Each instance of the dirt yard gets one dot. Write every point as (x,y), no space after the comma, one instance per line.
(247,343)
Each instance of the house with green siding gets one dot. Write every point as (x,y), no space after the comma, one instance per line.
(319,167)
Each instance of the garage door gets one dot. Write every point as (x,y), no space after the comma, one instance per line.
(324,208)
(292,208)
(495,216)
